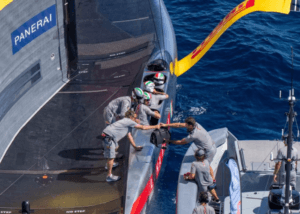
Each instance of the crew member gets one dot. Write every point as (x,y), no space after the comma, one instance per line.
(200,171)
(116,109)
(113,133)
(198,135)
(143,111)
(156,95)
(204,208)
(159,81)
(280,166)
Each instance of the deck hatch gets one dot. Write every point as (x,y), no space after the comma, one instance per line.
(18,87)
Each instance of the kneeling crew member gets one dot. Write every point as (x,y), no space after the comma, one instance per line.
(200,172)
(116,109)
(113,133)
(281,166)
(143,111)
(198,135)
(204,208)
(156,95)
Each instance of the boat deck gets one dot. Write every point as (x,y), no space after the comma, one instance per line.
(257,179)
(62,144)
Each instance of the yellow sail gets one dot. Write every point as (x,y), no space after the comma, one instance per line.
(246,7)
(4,3)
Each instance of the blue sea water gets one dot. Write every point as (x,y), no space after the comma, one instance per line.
(235,85)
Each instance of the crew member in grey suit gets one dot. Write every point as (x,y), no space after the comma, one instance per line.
(281,165)
(198,135)
(200,172)
(116,109)
(204,208)
(144,112)
(113,133)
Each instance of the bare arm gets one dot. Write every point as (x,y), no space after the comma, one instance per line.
(177,142)
(277,167)
(192,176)
(157,115)
(174,125)
(158,92)
(138,126)
(130,138)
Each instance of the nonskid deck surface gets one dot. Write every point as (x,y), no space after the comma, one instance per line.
(61,143)
(257,179)
(259,174)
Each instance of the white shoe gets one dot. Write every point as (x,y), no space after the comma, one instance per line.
(114,165)
(112,178)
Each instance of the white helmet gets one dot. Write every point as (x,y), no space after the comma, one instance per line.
(137,93)
(159,79)
(147,97)
(149,86)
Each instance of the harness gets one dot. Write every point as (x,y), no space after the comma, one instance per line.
(106,137)
(138,109)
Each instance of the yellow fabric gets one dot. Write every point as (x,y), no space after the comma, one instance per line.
(4,3)
(246,7)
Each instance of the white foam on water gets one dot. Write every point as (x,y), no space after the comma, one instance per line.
(197,110)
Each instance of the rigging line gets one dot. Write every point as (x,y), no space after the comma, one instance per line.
(62,139)
(58,39)
(154,25)
(292,70)
(162,30)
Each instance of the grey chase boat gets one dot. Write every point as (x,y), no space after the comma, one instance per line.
(244,174)
(61,63)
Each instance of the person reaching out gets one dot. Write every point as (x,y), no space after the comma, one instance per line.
(198,135)
(144,112)
(113,133)
(156,95)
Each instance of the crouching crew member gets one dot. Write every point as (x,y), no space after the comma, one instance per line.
(204,208)
(201,173)
(156,95)
(281,166)
(198,135)
(113,133)
(116,109)
(144,112)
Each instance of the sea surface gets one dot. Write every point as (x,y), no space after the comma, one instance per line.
(235,85)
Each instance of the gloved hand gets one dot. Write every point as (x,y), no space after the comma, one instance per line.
(186,176)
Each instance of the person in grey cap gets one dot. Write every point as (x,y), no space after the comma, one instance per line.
(203,208)
(200,171)
(113,133)
(198,135)
(280,166)
(116,109)
(143,111)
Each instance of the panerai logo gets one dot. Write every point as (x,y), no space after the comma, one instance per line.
(33,28)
